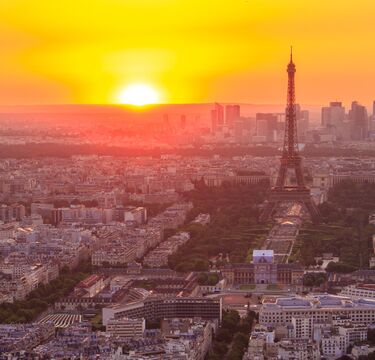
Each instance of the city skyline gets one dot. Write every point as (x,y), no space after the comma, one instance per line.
(214,52)
(187,180)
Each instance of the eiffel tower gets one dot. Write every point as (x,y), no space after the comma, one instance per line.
(290,159)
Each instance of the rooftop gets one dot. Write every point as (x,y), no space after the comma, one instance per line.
(318,301)
(89,281)
(261,253)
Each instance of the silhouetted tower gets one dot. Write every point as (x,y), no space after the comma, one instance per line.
(183,122)
(167,127)
(290,159)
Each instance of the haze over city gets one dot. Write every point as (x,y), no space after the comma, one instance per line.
(187,180)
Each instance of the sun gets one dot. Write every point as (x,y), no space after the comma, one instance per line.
(138,95)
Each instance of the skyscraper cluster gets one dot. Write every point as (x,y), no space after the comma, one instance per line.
(228,125)
(356,125)
(224,118)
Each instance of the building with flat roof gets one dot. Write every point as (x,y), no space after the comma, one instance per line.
(321,308)
(359,291)
(298,349)
(126,328)
(153,308)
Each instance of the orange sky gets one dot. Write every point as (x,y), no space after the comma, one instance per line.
(86,51)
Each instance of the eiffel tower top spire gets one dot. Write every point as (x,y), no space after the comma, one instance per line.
(291,54)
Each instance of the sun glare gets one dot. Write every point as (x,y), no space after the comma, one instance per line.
(138,95)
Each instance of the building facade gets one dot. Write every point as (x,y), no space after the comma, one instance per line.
(263,270)
(126,328)
(157,308)
(320,308)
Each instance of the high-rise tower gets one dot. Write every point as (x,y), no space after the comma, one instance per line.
(290,159)
(232,114)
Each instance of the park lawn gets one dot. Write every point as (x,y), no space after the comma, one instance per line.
(247,287)
(274,287)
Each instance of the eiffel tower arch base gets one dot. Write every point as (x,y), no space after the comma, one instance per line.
(280,196)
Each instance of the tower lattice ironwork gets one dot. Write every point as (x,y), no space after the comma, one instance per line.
(290,159)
